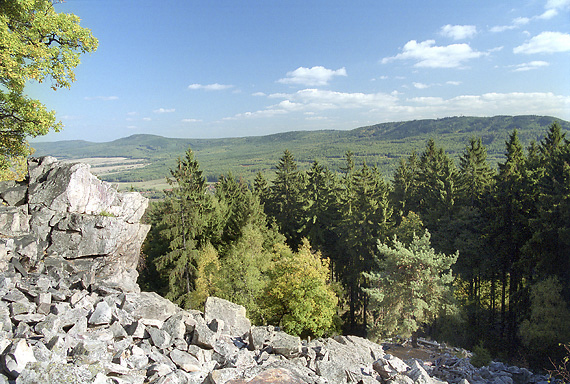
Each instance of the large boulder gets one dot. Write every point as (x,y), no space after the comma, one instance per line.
(62,210)
(234,317)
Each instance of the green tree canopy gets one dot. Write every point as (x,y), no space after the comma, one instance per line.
(36,43)
(410,286)
(298,296)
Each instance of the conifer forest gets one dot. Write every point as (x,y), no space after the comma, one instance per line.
(464,252)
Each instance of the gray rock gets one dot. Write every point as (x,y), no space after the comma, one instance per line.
(161,339)
(286,345)
(90,352)
(234,316)
(333,372)
(185,361)
(224,375)
(15,358)
(259,337)
(179,324)
(148,305)
(102,314)
(58,372)
(13,193)
(203,336)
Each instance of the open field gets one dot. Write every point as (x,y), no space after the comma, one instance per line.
(103,166)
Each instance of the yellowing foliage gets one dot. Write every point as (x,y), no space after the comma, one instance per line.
(298,295)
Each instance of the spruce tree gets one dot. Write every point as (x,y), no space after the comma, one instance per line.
(475,174)
(185,220)
(285,202)
(321,211)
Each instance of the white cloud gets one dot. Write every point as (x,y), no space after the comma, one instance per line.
(530,66)
(429,55)
(102,98)
(546,42)
(314,76)
(421,85)
(490,104)
(553,7)
(517,23)
(147,119)
(164,110)
(453,82)
(210,87)
(258,94)
(191,120)
(458,32)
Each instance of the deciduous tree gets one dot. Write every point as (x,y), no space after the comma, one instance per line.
(36,44)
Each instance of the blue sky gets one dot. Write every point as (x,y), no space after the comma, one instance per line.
(222,68)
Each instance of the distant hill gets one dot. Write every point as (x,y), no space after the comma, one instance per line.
(381,145)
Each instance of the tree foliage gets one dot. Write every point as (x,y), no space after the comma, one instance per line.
(410,286)
(37,44)
(298,296)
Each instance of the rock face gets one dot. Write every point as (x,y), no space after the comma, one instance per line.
(71,312)
(63,212)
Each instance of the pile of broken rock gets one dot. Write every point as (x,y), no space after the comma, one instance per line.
(71,311)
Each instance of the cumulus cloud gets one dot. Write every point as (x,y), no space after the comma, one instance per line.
(488,104)
(191,120)
(530,66)
(429,55)
(210,87)
(258,94)
(458,32)
(314,76)
(545,42)
(553,7)
(164,110)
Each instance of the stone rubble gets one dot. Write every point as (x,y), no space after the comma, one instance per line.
(71,311)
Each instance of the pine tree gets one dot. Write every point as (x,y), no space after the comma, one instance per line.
(410,286)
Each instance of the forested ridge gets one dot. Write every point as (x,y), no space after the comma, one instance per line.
(462,251)
(380,145)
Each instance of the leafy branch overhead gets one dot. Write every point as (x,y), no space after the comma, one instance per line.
(36,44)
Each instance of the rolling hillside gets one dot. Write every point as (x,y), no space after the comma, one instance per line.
(142,158)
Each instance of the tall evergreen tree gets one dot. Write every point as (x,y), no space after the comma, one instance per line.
(475,174)
(509,212)
(410,286)
(365,220)
(322,211)
(546,253)
(185,219)
(285,202)
(404,195)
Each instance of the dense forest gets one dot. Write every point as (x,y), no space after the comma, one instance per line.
(468,253)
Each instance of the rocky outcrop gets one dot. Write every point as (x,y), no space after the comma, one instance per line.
(62,211)
(71,312)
